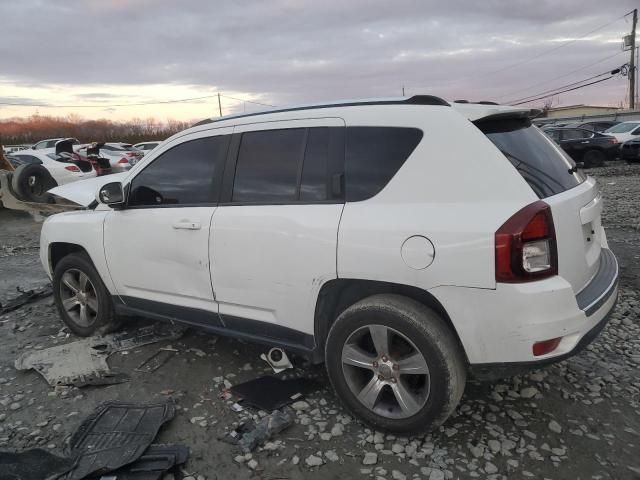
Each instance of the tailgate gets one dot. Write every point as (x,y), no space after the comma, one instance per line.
(579,232)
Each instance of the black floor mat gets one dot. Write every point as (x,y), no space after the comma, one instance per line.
(116,434)
(270,393)
(152,465)
(35,464)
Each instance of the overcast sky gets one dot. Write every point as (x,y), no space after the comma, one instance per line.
(105,52)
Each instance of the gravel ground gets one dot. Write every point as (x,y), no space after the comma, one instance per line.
(579,419)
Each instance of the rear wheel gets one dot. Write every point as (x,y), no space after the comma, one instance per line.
(395,364)
(84,303)
(593,158)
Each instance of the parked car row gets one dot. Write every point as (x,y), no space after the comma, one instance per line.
(592,147)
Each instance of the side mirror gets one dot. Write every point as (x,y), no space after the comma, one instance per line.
(111,194)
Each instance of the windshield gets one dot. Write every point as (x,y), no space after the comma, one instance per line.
(542,164)
(622,127)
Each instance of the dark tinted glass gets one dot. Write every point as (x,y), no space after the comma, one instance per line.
(188,174)
(575,134)
(373,156)
(267,167)
(315,168)
(545,167)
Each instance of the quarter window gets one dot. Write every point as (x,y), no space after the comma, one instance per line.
(187,174)
(374,155)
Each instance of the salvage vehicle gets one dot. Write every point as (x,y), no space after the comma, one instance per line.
(120,158)
(584,146)
(38,171)
(405,243)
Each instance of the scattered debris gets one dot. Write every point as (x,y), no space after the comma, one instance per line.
(270,393)
(156,461)
(77,363)
(277,360)
(155,361)
(114,435)
(26,296)
(34,464)
(84,362)
(144,336)
(265,429)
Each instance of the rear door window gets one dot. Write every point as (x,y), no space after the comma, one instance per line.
(543,165)
(373,156)
(268,164)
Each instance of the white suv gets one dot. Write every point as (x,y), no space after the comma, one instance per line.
(403,242)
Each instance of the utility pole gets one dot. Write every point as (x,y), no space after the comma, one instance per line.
(632,62)
(219,104)
(403,90)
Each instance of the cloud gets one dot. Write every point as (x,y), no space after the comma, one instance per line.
(285,51)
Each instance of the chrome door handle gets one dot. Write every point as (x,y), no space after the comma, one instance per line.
(187,225)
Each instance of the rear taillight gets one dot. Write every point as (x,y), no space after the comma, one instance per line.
(526,246)
(72,168)
(546,346)
(123,160)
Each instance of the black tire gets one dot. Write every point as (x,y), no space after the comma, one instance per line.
(104,320)
(593,158)
(429,335)
(31,181)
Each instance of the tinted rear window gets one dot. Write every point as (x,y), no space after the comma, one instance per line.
(544,166)
(374,155)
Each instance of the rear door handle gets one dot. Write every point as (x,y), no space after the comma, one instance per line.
(187,225)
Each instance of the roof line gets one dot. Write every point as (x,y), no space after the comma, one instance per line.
(414,100)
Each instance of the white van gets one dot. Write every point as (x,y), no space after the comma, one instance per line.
(403,242)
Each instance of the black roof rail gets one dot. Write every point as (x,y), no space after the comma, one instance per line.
(414,100)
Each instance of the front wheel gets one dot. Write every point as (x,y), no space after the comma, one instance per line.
(395,364)
(84,303)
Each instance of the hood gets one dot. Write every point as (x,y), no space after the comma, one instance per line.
(83,192)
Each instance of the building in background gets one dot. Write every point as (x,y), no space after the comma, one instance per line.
(579,111)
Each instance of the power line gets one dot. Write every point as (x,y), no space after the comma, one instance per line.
(550,50)
(560,76)
(564,91)
(159,102)
(608,72)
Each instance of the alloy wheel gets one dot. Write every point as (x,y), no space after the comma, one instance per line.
(385,371)
(78,296)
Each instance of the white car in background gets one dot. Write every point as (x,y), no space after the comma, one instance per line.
(62,172)
(38,171)
(146,147)
(50,143)
(624,131)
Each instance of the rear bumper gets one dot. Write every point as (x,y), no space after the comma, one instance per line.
(499,327)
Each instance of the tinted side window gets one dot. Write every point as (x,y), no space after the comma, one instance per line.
(373,156)
(187,174)
(268,165)
(313,185)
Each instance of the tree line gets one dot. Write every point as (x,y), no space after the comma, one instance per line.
(29,130)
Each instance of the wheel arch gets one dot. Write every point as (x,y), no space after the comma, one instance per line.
(337,295)
(59,250)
